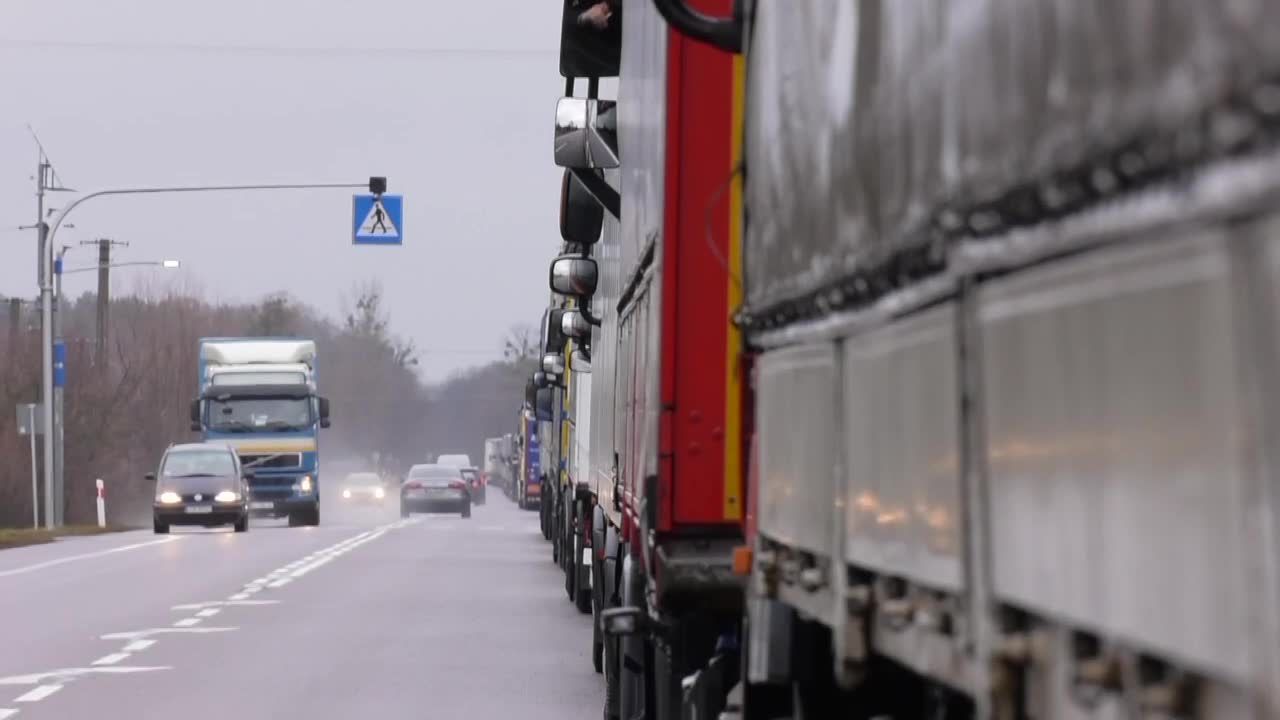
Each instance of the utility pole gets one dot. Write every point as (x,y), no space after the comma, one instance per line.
(104,299)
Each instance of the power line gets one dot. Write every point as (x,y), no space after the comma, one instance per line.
(275,50)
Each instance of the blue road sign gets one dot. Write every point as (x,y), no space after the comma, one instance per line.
(59,364)
(377,220)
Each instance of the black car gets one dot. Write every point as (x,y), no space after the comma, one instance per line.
(435,488)
(201,484)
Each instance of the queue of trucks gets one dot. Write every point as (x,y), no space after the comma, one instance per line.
(912,359)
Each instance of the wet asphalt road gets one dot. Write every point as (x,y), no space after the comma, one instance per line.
(365,616)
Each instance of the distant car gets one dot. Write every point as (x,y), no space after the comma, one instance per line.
(201,484)
(475,483)
(363,488)
(435,488)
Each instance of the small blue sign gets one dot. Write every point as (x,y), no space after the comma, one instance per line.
(377,220)
(59,364)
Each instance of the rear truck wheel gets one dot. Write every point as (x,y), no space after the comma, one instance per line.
(313,516)
(597,645)
(160,528)
(242,525)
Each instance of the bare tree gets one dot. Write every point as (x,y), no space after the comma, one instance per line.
(520,343)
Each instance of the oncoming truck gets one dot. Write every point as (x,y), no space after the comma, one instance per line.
(259,396)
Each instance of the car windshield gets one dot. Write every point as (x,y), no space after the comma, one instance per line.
(198,463)
(259,414)
(363,479)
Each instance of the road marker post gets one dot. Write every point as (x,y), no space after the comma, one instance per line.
(102,503)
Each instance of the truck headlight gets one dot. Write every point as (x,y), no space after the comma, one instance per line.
(226,496)
(346,494)
(305,485)
(379,493)
(169,497)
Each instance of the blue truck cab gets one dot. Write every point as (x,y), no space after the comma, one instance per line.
(259,395)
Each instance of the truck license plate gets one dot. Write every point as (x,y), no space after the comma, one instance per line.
(199,509)
(261,505)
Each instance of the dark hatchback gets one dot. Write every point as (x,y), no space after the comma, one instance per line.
(435,488)
(201,484)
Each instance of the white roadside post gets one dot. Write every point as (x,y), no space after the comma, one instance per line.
(35,486)
(102,504)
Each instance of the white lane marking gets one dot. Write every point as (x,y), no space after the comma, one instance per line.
(208,612)
(224,603)
(87,556)
(187,622)
(253,589)
(65,674)
(38,693)
(111,659)
(280,583)
(139,645)
(141,634)
(7,713)
(239,596)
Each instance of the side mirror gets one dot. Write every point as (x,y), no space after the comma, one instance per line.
(586,133)
(553,364)
(589,49)
(552,338)
(572,275)
(150,476)
(540,380)
(324,412)
(250,474)
(573,324)
(194,412)
(581,217)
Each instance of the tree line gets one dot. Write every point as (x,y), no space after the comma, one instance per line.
(122,413)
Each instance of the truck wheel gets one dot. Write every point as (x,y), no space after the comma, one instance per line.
(242,525)
(313,517)
(581,595)
(160,528)
(466,510)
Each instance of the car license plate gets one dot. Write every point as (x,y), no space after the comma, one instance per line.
(199,509)
(260,505)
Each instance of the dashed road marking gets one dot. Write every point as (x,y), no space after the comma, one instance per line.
(65,674)
(111,659)
(7,713)
(187,622)
(232,601)
(38,693)
(139,645)
(208,612)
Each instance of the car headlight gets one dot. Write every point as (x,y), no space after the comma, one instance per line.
(379,493)
(346,494)
(304,485)
(226,496)
(169,497)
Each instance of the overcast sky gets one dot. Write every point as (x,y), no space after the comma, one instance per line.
(452,101)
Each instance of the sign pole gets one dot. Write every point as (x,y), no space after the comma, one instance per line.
(35,489)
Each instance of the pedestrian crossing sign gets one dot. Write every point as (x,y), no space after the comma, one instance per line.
(377,220)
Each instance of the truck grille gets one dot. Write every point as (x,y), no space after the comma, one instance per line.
(271,460)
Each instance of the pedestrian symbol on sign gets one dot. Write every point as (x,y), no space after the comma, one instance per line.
(377,220)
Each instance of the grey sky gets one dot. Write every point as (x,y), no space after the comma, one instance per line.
(456,110)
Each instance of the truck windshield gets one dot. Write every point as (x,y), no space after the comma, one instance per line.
(259,414)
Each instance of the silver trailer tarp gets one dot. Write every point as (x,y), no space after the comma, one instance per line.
(867,118)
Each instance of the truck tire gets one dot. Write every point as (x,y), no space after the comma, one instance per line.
(581,595)
(466,510)
(160,528)
(242,525)
(313,516)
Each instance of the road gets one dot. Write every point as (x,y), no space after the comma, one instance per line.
(364,616)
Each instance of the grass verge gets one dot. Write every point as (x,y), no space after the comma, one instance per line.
(18,537)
